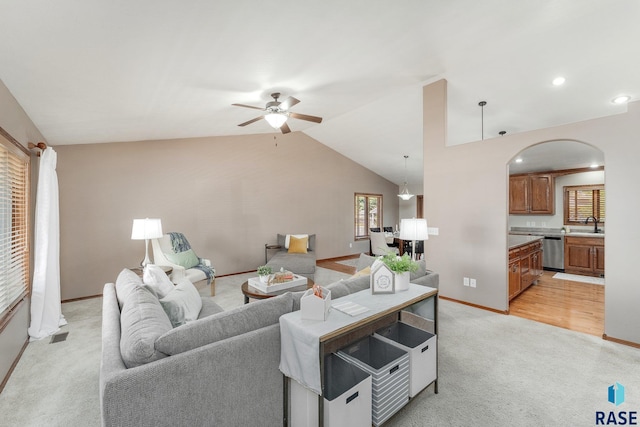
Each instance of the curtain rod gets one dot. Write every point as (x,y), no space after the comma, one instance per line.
(41,145)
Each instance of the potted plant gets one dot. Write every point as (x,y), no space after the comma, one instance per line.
(402,266)
(264,271)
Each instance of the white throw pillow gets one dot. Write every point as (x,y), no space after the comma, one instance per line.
(157,279)
(183,303)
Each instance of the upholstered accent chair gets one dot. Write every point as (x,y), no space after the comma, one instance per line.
(379,244)
(174,250)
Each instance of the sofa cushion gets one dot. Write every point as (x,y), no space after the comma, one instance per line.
(224,325)
(157,279)
(348,286)
(296,263)
(209,307)
(142,321)
(365,261)
(126,282)
(183,303)
(421,271)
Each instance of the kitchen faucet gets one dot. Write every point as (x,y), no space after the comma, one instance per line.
(595,223)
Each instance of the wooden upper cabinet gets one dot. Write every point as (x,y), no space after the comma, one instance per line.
(519,194)
(532,194)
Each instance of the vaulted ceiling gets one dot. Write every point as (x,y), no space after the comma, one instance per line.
(103,71)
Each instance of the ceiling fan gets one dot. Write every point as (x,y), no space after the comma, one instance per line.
(277,113)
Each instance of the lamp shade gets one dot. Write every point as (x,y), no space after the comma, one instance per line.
(147,228)
(413,229)
(275,119)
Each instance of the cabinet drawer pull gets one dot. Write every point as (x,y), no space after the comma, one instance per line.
(353,396)
(395,368)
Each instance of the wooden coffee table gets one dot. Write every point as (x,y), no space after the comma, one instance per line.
(251,292)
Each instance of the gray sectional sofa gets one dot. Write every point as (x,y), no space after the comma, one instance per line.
(221,369)
(302,264)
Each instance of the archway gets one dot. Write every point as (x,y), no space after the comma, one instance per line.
(559,299)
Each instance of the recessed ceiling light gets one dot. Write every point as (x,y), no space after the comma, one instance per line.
(621,99)
(558,81)
(519,160)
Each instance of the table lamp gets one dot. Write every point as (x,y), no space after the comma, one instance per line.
(413,229)
(145,229)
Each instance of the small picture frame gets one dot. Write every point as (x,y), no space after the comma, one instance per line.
(383,280)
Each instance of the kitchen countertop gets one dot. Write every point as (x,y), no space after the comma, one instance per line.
(515,241)
(583,234)
(555,232)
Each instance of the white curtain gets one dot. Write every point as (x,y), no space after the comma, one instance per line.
(46,307)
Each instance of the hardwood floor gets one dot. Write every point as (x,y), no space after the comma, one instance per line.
(333,264)
(563,303)
(571,305)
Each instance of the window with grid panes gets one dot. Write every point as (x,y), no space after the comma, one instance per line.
(367,214)
(583,201)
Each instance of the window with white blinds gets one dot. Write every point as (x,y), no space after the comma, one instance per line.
(581,202)
(14,225)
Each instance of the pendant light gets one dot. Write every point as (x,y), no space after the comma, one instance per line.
(405,194)
(482,104)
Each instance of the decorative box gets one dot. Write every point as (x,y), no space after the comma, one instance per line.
(274,287)
(313,307)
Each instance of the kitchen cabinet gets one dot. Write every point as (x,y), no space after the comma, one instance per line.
(532,194)
(584,255)
(525,266)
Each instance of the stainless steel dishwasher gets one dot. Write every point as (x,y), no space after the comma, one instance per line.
(553,252)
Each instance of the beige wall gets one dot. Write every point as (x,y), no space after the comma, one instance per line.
(15,122)
(229,195)
(470,208)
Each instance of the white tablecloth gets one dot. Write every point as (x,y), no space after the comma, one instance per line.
(300,339)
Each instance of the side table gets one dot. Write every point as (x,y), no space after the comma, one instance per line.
(267,247)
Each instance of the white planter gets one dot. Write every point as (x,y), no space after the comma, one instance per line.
(402,281)
(264,279)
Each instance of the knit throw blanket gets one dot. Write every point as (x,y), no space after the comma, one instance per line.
(179,243)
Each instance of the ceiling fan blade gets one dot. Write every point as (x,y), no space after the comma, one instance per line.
(251,121)
(248,106)
(288,103)
(285,128)
(306,117)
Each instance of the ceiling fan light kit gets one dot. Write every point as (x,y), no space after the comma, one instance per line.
(275,119)
(277,113)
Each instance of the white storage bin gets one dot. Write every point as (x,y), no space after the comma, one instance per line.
(422,348)
(389,369)
(347,397)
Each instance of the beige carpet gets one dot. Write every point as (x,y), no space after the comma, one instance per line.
(494,370)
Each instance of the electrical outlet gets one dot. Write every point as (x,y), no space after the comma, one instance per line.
(350,245)
(465,281)
(472,283)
